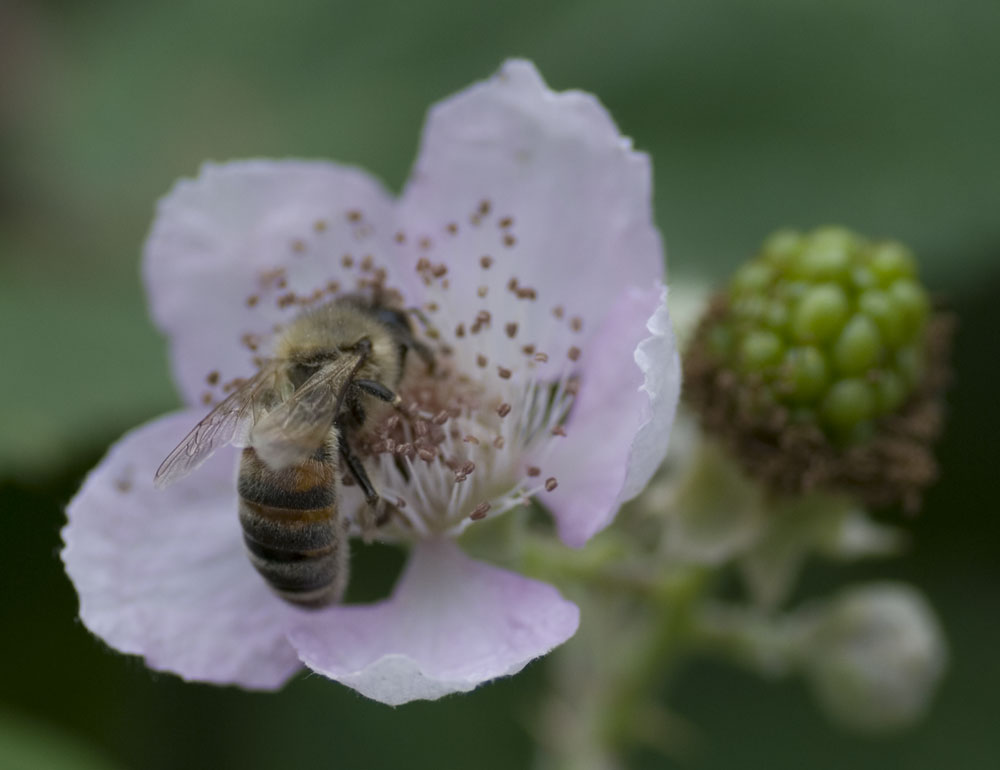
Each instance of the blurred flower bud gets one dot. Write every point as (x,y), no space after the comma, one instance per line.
(874,656)
(830,525)
(823,366)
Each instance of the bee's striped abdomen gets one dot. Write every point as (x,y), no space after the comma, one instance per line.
(291,529)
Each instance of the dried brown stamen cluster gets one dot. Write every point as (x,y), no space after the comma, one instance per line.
(794,457)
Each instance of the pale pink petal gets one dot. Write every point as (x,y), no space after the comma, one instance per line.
(452,624)
(230,248)
(618,431)
(577,195)
(162,573)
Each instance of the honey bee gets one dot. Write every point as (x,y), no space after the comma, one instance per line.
(335,369)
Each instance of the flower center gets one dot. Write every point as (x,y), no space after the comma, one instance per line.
(458,450)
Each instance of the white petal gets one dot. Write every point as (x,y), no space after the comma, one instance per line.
(217,245)
(162,573)
(578,196)
(620,426)
(452,624)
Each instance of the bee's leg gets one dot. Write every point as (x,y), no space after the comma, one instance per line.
(378,390)
(375,514)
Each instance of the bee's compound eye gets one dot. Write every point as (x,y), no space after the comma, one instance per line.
(396,319)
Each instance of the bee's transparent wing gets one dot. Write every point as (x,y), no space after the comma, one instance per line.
(290,433)
(228,423)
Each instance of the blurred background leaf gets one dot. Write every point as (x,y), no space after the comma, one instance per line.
(882,116)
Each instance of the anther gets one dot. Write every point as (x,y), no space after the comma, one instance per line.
(526,293)
(452,228)
(206,398)
(511,330)
(298,245)
(481,361)
(506,222)
(367,262)
(509,240)
(484,207)
(558,431)
(498,442)
(440,418)
(480,511)
(439,270)
(354,215)
(471,440)
(551,483)
(252,300)
(481,291)
(400,237)
(541,357)
(460,330)
(212,378)
(485,262)
(424,243)
(558,311)
(534,470)
(504,373)
(576,323)
(467,468)
(319,225)
(528,350)
(250,341)
(333,287)
(504,409)
(426,454)
(574,353)
(347,261)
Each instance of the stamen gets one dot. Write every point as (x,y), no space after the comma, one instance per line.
(480,511)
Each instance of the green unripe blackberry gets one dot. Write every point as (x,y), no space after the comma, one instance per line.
(830,323)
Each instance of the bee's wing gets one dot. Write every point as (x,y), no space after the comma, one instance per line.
(290,433)
(226,424)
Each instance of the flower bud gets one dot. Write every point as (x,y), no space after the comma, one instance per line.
(823,366)
(874,656)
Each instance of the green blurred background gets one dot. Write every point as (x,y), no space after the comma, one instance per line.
(883,116)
